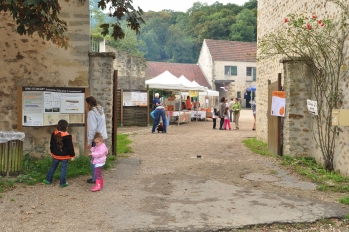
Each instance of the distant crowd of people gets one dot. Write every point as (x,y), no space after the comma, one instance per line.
(230,112)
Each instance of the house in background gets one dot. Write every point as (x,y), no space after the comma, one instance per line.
(230,68)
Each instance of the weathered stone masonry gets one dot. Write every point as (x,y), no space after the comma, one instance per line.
(32,61)
(297,139)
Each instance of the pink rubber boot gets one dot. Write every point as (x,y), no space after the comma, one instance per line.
(97,187)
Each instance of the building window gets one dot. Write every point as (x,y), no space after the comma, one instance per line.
(248,71)
(231,70)
(251,74)
(254,74)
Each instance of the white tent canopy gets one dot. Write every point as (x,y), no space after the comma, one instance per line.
(165,80)
(193,85)
(209,92)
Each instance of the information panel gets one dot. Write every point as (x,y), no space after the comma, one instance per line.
(135,98)
(278,103)
(45,106)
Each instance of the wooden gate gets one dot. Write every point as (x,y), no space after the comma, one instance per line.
(274,123)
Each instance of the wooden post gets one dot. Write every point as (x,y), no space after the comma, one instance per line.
(19,108)
(115,113)
(121,107)
(86,151)
(148,108)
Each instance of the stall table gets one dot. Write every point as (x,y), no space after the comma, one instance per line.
(182,116)
(200,114)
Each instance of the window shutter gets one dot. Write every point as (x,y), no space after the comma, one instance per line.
(234,71)
(248,71)
(254,74)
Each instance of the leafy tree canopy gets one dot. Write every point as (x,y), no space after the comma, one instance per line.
(171,36)
(42,16)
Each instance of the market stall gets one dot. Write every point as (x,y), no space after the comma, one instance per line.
(166,80)
(209,94)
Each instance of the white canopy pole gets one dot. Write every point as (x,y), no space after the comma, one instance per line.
(180,107)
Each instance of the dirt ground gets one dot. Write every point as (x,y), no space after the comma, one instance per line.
(158,159)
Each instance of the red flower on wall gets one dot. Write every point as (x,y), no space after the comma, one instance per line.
(286,20)
(309,26)
(314,16)
(319,21)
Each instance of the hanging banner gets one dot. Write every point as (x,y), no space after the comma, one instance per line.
(193,93)
(278,103)
(312,106)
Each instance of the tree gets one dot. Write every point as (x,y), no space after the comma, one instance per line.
(179,47)
(38,16)
(129,44)
(320,44)
(42,16)
(245,27)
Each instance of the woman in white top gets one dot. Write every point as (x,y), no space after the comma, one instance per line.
(95,123)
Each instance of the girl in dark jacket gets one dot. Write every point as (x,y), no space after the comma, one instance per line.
(62,150)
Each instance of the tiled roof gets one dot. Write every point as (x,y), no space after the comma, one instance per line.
(223,50)
(190,71)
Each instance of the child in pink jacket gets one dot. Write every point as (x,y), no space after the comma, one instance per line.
(99,156)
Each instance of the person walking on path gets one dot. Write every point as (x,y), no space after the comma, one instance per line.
(159,112)
(222,107)
(62,149)
(99,156)
(231,109)
(236,112)
(214,117)
(95,123)
(226,119)
(253,108)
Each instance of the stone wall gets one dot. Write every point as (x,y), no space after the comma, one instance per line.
(131,70)
(101,83)
(297,135)
(32,61)
(270,19)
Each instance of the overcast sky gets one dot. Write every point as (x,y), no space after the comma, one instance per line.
(177,5)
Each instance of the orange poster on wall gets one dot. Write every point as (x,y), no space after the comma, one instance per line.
(278,103)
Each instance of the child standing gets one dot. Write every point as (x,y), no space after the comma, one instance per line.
(99,156)
(62,150)
(226,119)
(236,113)
(214,118)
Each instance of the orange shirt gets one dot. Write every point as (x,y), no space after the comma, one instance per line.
(188,103)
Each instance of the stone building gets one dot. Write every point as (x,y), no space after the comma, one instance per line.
(298,137)
(32,61)
(229,67)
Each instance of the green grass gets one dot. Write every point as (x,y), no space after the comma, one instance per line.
(305,166)
(34,170)
(258,147)
(123,144)
(344,200)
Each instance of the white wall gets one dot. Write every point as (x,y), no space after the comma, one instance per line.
(206,64)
